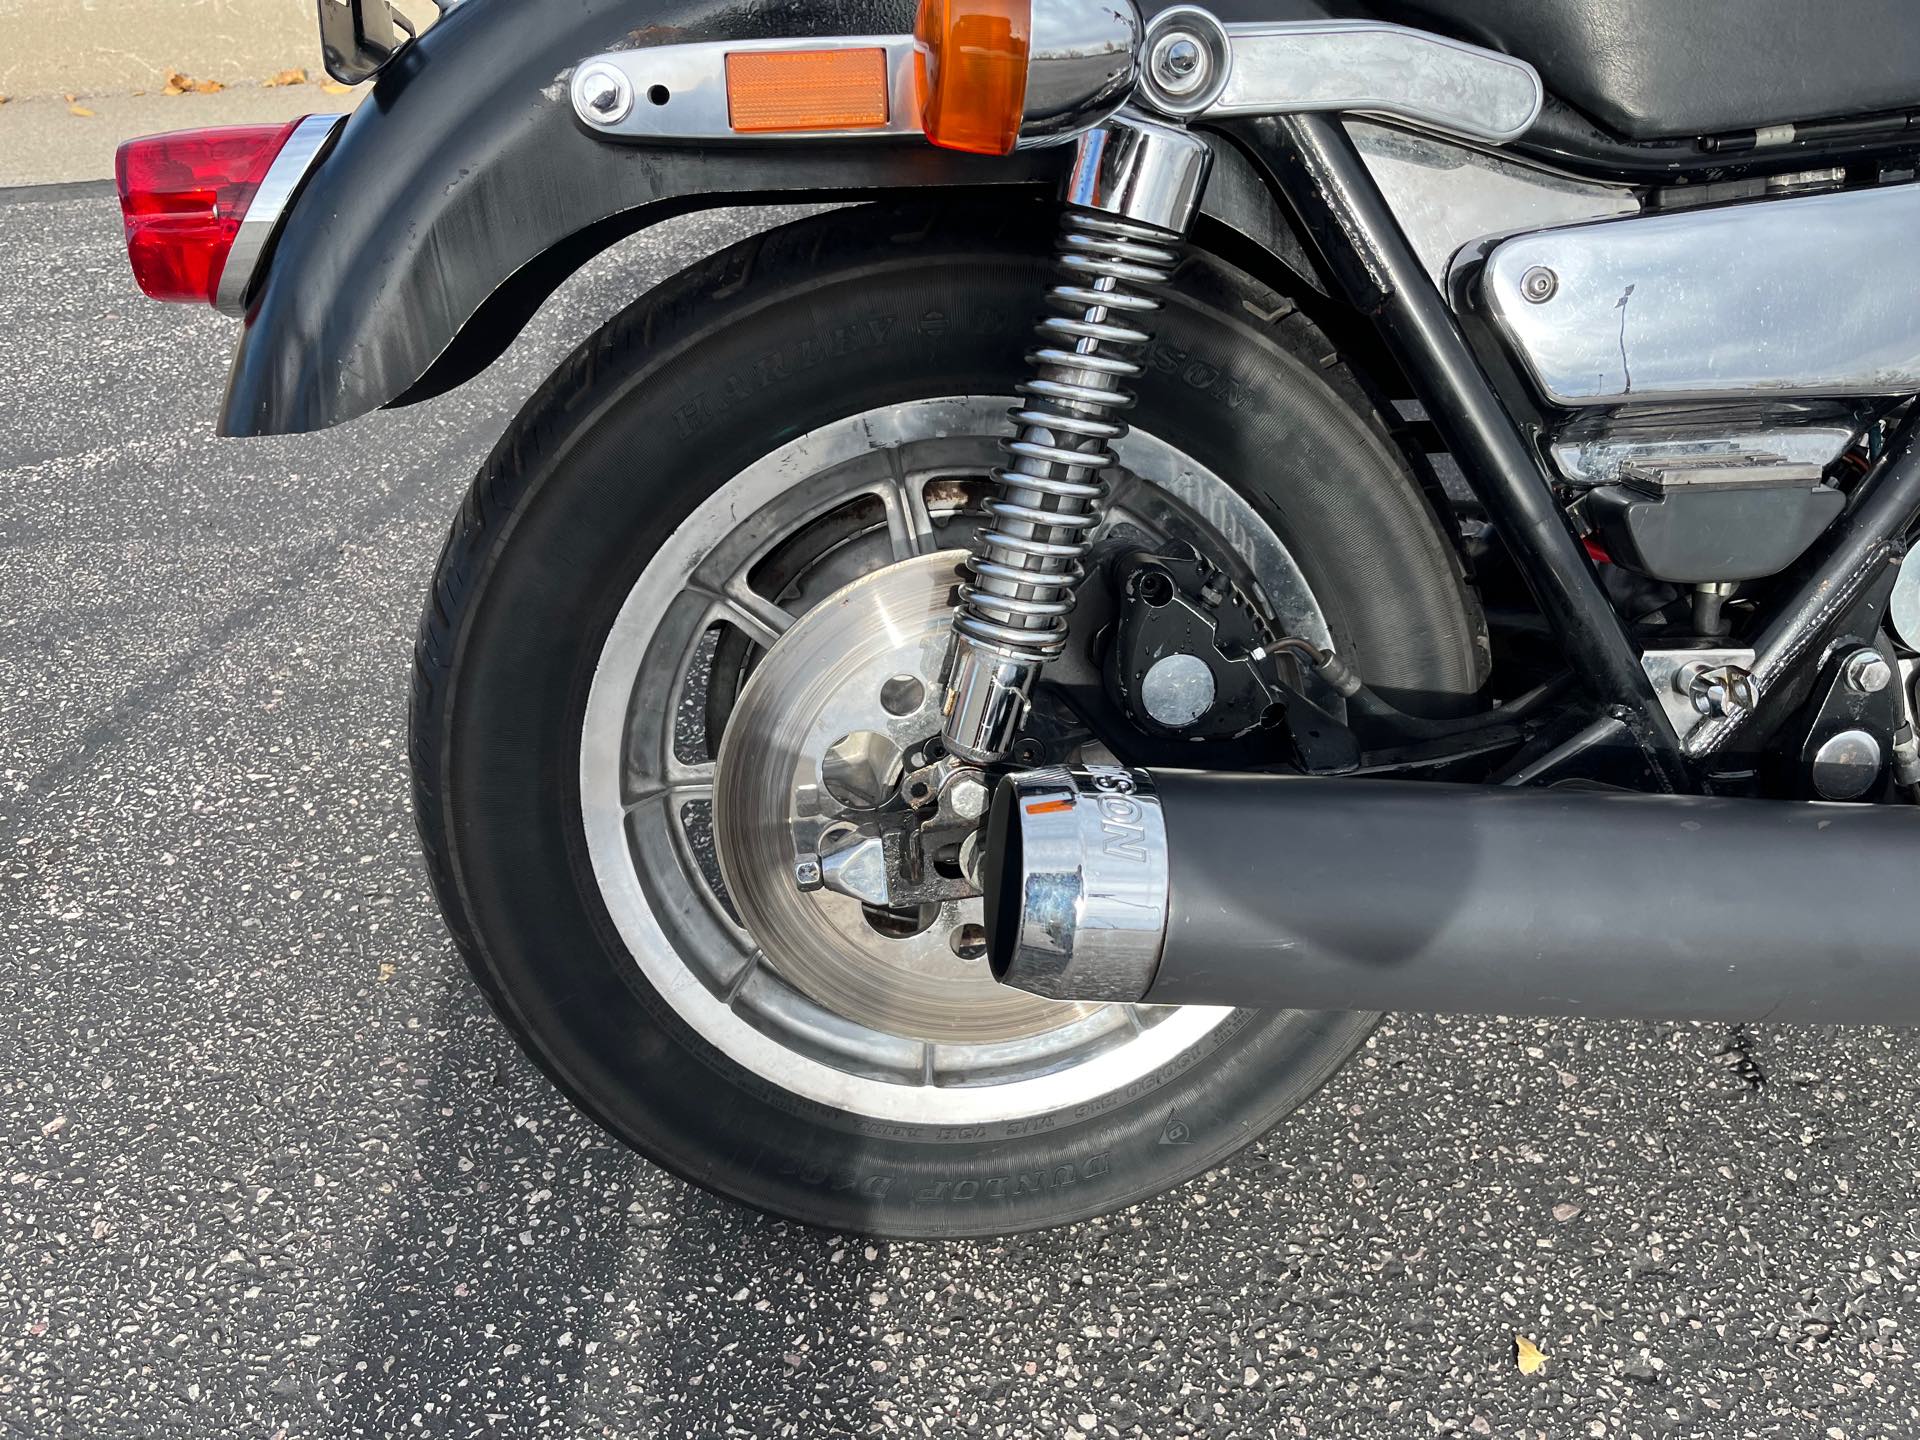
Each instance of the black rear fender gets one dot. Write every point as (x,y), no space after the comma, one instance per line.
(464,191)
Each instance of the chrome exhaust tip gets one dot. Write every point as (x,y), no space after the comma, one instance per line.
(1076,883)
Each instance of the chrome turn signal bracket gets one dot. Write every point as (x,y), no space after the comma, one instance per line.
(1088,58)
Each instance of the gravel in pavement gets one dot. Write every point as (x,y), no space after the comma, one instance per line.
(268,1168)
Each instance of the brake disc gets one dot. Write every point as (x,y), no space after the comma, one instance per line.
(817,739)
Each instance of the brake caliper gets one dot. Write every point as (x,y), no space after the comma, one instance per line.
(1192,659)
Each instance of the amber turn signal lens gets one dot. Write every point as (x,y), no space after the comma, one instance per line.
(972,69)
(772,91)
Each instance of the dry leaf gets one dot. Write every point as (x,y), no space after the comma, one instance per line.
(81,111)
(3,99)
(207,87)
(177,84)
(334,87)
(1527,1355)
(287,77)
(386,970)
(71,97)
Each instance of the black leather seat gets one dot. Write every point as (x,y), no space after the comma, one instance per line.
(1652,69)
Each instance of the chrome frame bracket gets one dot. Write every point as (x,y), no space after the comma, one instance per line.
(1668,672)
(1368,67)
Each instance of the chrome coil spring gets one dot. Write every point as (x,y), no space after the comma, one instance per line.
(1028,562)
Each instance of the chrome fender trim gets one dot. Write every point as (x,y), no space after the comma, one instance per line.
(261,223)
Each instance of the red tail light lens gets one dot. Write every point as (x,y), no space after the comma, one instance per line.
(183,197)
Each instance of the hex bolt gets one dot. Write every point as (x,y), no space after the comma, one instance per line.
(1868,672)
(806,871)
(605,93)
(967,796)
(1539,285)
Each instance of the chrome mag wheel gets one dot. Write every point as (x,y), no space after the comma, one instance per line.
(769,670)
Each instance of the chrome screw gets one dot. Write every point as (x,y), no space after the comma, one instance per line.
(806,872)
(1539,285)
(1868,672)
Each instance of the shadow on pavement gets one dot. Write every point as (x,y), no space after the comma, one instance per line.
(534,1277)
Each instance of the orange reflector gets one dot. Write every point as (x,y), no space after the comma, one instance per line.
(1049,807)
(783,90)
(972,69)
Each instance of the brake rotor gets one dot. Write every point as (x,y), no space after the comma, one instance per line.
(814,739)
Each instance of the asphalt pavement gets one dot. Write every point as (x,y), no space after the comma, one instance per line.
(268,1167)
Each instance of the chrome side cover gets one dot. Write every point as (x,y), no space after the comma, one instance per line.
(1446,195)
(1807,296)
(1601,459)
(268,208)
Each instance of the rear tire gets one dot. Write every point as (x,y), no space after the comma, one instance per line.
(783,333)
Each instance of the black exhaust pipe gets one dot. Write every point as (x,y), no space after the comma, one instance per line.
(1181,888)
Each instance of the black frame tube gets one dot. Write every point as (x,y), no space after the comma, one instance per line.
(1844,562)
(1324,177)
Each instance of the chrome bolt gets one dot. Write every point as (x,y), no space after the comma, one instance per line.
(806,872)
(1179,64)
(1539,285)
(1716,690)
(967,795)
(605,93)
(1868,672)
(1846,766)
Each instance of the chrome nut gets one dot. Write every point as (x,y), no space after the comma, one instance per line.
(859,870)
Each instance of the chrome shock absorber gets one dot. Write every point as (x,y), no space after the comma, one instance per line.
(1135,185)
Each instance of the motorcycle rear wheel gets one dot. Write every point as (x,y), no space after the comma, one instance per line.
(585,649)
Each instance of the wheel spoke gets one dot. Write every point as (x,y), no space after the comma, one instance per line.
(747,972)
(1120,490)
(909,524)
(764,621)
(681,782)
